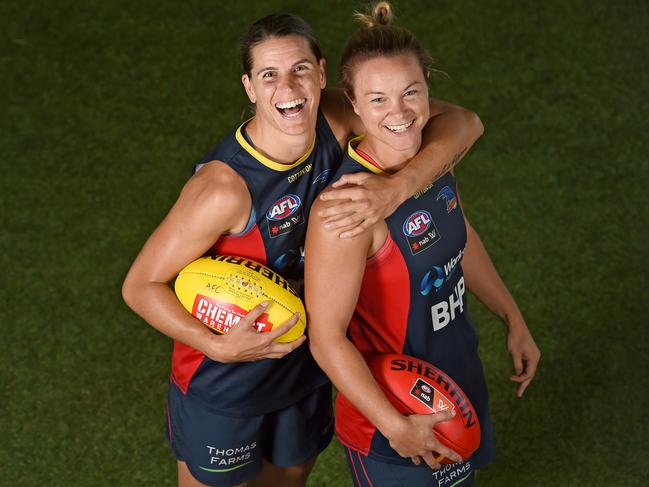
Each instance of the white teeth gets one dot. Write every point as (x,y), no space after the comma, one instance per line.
(291,104)
(399,128)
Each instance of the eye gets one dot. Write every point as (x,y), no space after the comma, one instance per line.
(379,99)
(301,67)
(411,92)
(268,75)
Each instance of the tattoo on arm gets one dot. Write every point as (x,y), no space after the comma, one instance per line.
(451,164)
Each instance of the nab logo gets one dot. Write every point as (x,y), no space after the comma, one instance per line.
(284,207)
(449,196)
(417,224)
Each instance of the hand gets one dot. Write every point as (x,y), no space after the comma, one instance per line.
(415,438)
(361,200)
(525,355)
(245,344)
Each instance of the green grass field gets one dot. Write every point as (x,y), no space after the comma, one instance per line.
(105,106)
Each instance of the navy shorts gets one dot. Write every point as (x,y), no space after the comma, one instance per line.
(370,472)
(222,451)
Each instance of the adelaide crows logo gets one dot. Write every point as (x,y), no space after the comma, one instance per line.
(449,196)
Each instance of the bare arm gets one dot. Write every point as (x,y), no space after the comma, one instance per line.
(330,301)
(483,281)
(447,137)
(195,222)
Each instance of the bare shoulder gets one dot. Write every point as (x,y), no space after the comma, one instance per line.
(216,189)
(340,114)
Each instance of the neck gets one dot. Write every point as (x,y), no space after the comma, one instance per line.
(276,145)
(388,158)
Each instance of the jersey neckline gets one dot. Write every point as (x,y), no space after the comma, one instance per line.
(363,161)
(266,161)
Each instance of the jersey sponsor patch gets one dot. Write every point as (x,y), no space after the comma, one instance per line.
(324,177)
(448,195)
(427,394)
(445,311)
(436,277)
(284,215)
(222,316)
(420,231)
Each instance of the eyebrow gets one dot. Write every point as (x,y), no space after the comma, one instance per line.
(405,89)
(273,68)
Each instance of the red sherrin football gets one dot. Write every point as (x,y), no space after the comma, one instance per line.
(414,386)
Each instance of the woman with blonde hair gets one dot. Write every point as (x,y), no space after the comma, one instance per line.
(400,286)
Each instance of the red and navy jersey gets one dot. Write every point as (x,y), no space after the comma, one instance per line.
(282,196)
(413,301)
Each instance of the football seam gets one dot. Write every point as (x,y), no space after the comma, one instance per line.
(201,273)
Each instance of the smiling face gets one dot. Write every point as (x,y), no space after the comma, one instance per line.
(285,84)
(391,98)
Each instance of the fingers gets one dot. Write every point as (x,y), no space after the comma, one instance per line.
(356,178)
(430,460)
(416,460)
(364,225)
(522,387)
(527,373)
(340,208)
(517,360)
(353,193)
(284,327)
(353,219)
(251,317)
(442,416)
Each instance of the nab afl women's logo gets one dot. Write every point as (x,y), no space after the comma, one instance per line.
(417,223)
(284,214)
(420,231)
(284,207)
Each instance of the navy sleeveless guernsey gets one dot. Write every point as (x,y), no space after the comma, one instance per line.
(282,196)
(413,301)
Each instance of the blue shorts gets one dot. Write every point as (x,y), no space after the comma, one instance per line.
(223,451)
(367,471)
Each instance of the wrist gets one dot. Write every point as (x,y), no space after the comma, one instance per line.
(391,425)
(514,320)
(216,348)
(403,185)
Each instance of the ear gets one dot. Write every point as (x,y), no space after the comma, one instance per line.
(250,90)
(352,102)
(322,66)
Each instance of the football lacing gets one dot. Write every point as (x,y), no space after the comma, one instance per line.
(244,284)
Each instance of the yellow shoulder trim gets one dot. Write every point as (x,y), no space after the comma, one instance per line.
(361,160)
(265,160)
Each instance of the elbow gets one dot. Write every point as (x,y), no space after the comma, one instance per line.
(129,291)
(318,349)
(474,124)
(315,348)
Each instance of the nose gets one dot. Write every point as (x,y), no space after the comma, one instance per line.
(287,82)
(400,107)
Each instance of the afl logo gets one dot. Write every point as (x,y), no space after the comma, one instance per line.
(426,389)
(417,224)
(284,207)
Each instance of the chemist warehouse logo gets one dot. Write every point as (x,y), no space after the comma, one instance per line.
(284,215)
(420,230)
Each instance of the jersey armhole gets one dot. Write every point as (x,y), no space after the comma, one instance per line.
(384,252)
(251,223)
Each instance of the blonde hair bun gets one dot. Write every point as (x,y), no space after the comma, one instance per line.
(381,14)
